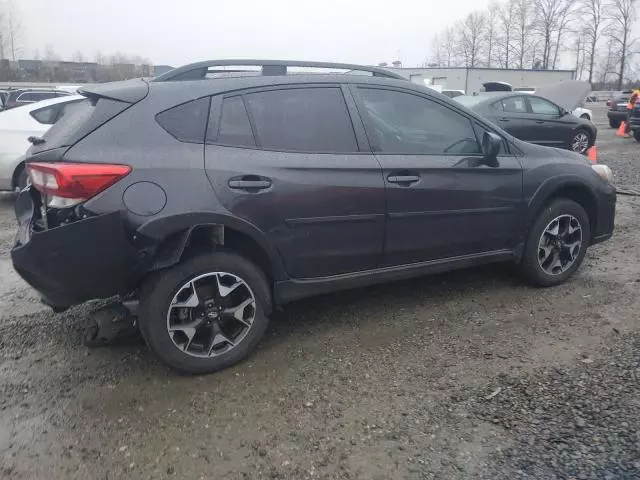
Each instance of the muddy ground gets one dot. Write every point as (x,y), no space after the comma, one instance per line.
(460,376)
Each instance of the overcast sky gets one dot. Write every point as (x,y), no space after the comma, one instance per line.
(178,32)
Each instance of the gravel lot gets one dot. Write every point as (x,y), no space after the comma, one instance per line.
(468,375)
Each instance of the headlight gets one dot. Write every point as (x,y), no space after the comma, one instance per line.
(603,172)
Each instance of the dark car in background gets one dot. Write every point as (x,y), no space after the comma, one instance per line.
(617,109)
(234,195)
(534,119)
(15,98)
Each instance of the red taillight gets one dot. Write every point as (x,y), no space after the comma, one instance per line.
(74,181)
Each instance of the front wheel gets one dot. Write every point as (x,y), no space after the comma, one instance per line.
(581,141)
(206,313)
(557,243)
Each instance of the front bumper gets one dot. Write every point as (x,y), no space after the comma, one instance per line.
(605,221)
(87,259)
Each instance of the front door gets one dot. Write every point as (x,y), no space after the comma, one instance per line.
(288,161)
(441,202)
(558,129)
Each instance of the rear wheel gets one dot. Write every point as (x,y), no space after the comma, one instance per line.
(585,116)
(581,141)
(557,243)
(206,313)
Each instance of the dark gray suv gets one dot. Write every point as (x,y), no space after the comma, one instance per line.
(210,195)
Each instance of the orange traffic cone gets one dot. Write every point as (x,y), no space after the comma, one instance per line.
(620,132)
(592,155)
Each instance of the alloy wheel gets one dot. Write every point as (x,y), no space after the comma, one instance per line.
(580,142)
(211,314)
(560,244)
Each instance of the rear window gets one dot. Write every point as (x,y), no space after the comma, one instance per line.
(81,120)
(47,115)
(303,120)
(186,122)
(470,101)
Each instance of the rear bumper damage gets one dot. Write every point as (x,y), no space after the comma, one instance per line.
(75,262)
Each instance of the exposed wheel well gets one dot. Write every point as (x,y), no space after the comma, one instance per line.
(16,174)
(582,197)
(208,237)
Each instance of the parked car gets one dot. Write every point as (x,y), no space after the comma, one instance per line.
(578,111)
(618,112)
(233,196)
(4,94)
(534,119)
(452,93)
(17,125)
(30,95)
(634,122)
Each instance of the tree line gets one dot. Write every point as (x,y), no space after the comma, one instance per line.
(596,35)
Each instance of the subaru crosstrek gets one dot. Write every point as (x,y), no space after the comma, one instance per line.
(212,194)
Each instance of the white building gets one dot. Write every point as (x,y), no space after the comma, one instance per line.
(471,79)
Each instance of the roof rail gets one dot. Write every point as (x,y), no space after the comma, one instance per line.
(199,71)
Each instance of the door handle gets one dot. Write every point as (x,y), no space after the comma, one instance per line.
(404,180)
(249,182)
(540,121)
(504,119)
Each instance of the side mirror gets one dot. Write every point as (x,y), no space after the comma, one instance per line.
(491,148)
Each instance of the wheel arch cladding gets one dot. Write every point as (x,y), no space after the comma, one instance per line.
(185,236)
(575,190)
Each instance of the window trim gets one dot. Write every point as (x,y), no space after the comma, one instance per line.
(297,86)
(365,117)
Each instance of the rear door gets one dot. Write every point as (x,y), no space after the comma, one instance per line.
(291,161)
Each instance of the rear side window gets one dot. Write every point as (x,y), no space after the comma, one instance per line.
(186,122)
(302,119)
(235,128)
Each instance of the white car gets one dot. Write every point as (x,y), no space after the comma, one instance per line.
(20,123)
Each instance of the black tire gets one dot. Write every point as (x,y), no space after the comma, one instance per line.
(614,123)
(530,266)
(22,179)
(636,135)
(585,116)
(158,292)
(589,138)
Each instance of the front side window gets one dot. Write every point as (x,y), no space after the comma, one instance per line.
(303,120)
(404,123)
(543,107)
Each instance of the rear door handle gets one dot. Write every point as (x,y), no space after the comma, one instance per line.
(504,119)
(540,121)
(405,180)
(249,182)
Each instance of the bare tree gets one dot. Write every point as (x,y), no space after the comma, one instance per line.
(491,32)
(436,52)
(14,29)
(566,13)
(78,57)
(471,32)
(506,24)
(449,47)
(622,16)
(50,53)
(524,31)
(548,13)
(594,13)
